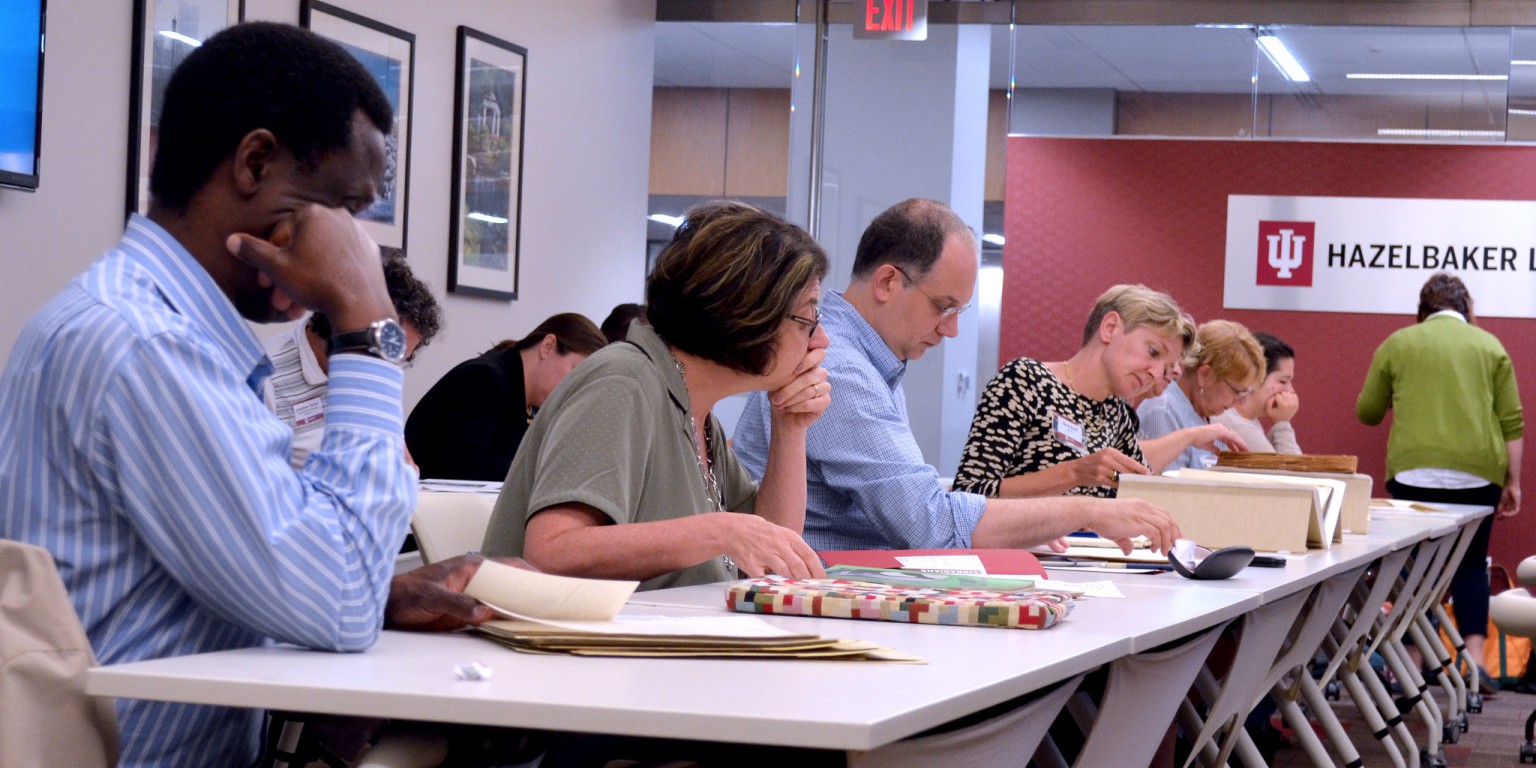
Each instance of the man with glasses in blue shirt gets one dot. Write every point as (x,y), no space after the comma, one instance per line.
(868,486)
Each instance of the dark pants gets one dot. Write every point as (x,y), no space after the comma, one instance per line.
(1469,587)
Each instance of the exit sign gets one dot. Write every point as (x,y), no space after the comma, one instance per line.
(893,20)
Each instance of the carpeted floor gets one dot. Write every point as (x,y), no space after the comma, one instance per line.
(1493,738)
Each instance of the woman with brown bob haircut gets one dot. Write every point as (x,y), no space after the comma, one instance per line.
(1223,368)
(625,474)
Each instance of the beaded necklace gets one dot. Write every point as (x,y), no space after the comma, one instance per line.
(1095,420)
(707,471)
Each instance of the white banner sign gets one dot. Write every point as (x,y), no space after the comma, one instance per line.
(1372,254)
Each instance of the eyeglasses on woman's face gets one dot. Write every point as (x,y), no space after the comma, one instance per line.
(1237,394)
(810,323)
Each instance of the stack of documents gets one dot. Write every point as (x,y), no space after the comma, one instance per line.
(1102,549)
(693,636)
(559,614)
(836,598)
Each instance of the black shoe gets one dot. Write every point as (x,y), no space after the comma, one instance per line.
(1486,683)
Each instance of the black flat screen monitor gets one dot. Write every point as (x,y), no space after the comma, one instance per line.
(21,91)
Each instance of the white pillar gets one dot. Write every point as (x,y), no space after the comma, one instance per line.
(903,119)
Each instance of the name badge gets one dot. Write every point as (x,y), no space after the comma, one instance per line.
(1070,434)
(309,411)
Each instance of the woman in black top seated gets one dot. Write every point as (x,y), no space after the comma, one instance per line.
(1043,429)
(468,426)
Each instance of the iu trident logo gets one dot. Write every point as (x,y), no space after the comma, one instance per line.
(1285,253)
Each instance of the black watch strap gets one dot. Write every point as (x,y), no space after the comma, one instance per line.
(351,341)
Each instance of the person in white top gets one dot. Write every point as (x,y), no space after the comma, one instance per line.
(296,389)
(1274,400)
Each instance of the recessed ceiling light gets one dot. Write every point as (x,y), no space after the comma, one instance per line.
(1281,57)
(1403,76)
(1435,133)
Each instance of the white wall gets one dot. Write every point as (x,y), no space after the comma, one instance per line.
(585,165)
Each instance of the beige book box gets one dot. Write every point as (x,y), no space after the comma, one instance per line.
(1221,512)
(1354,516)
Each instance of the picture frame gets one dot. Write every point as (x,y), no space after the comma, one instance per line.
(164,32)
(389,54)
(486,215)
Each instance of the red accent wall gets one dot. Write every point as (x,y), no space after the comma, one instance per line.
(1085,214)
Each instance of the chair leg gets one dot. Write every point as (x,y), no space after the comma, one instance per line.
(287,744)
(1355,686)
(1528,749)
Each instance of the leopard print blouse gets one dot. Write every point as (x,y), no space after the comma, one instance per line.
(1013,432)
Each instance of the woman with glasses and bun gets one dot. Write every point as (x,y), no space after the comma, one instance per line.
(625,474)
(1222,369)
(1275,400)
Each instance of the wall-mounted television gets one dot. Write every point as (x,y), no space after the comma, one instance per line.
(21,91)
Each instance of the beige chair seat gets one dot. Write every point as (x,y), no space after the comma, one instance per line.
(449,524)
(1514,610)
(46,718)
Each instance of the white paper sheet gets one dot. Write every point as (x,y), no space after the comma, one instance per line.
(966,564)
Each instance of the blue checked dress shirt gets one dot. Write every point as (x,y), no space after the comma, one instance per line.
(867,486)
(1170,412)
(135,448)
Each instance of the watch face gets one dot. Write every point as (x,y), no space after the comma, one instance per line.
(391,341)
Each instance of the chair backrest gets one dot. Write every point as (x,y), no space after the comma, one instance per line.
(46,717)
(450,524)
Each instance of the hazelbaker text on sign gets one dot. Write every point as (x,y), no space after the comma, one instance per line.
(1372,254)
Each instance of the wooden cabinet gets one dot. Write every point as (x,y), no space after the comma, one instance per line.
(728,142)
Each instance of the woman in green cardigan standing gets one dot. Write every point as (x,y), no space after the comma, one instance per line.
(1456,433)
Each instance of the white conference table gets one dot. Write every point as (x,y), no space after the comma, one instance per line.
(1267,584)
(819,704)
(1389,531)
(1144,619)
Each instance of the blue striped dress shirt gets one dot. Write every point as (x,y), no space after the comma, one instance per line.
(867,486)
(134,446)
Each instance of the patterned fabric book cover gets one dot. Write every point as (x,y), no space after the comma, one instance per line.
(839,599)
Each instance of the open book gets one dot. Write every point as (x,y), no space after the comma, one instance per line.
(559,614)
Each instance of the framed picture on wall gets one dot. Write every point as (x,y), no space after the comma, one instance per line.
(164,33)
(485,221)
(390,55)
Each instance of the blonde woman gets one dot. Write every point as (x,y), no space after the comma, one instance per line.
(1066,427)
(1222,370)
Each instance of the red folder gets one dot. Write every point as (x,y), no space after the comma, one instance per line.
(1004,561)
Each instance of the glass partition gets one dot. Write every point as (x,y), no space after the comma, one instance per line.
(1444,84)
